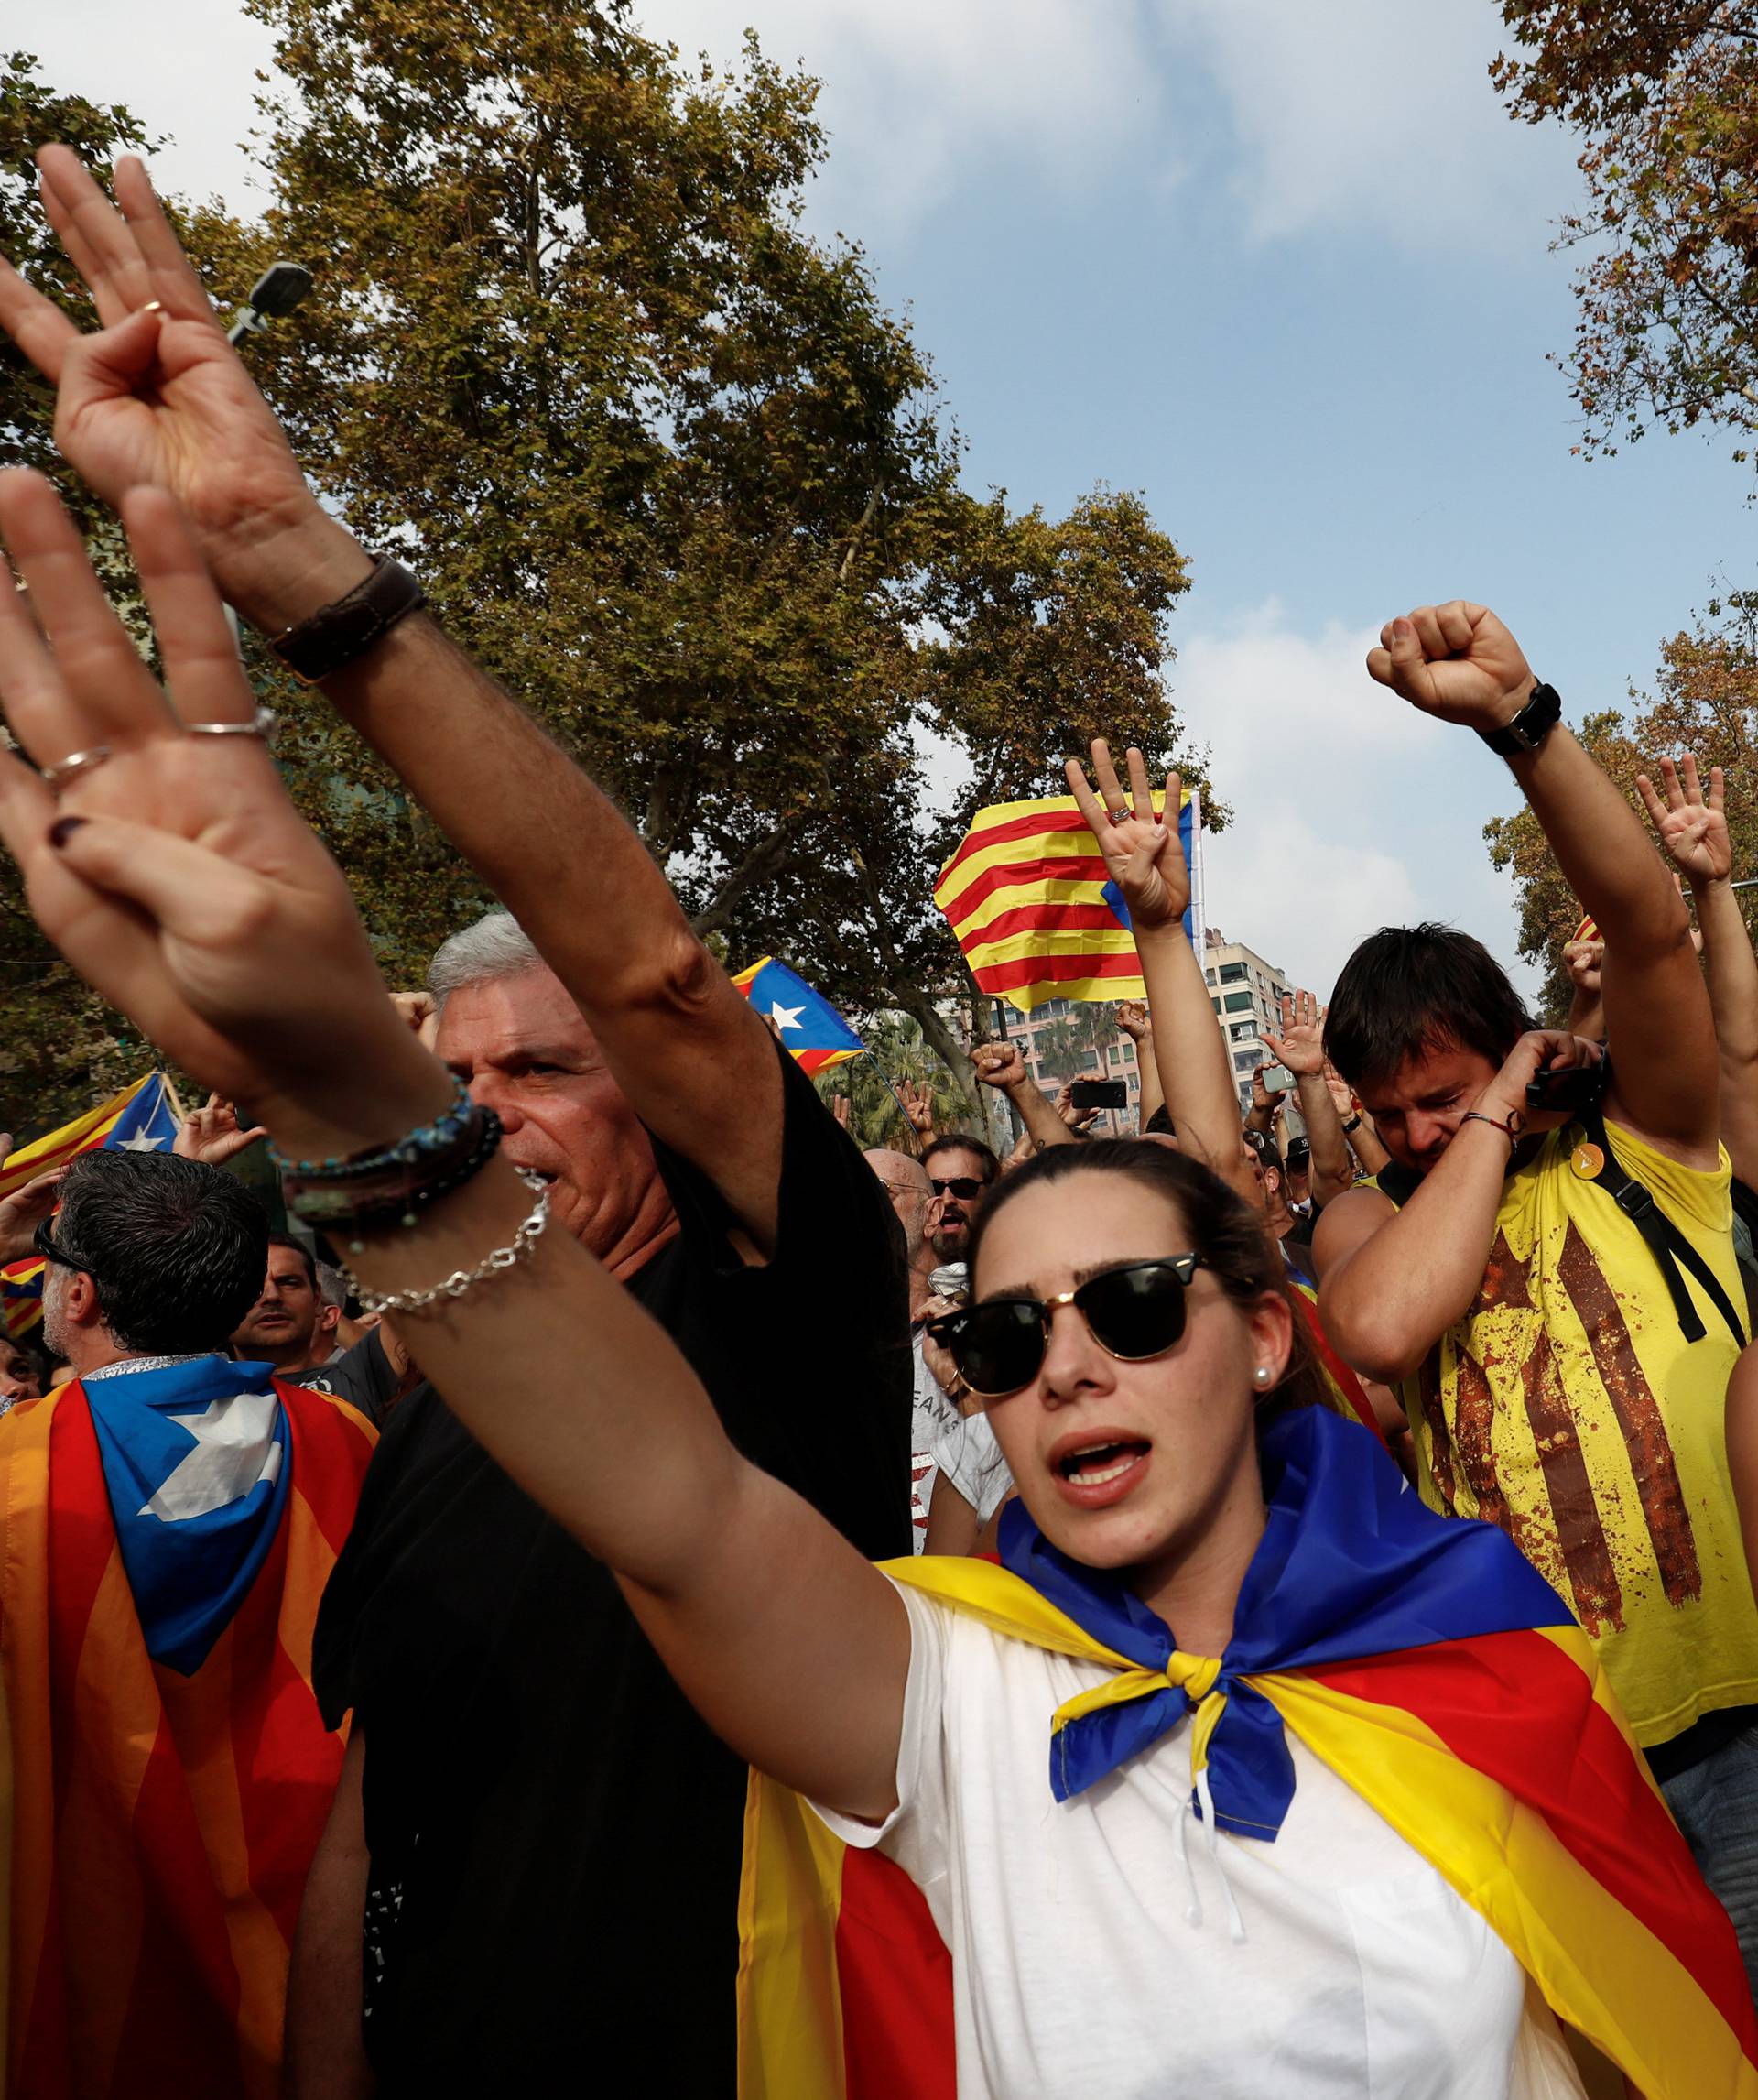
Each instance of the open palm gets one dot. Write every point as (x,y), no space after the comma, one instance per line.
(158,398)
(178,878)
(1141,849)
(1692,826)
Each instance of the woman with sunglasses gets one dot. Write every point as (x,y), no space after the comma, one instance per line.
(1194,1899)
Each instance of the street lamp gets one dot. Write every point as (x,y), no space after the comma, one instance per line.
(273,296)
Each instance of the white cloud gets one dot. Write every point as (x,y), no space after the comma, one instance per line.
(186,68)
(921,96)
(1350,809)
(1365,115)
(1378,115)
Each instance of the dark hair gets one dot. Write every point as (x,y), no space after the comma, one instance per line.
(975,1146)
(1410,989)
(175,1248)
(299,1248)
(1231,1238)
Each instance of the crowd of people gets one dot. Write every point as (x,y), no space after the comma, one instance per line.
(628,1580)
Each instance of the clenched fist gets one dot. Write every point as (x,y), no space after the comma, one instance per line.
(1457,661)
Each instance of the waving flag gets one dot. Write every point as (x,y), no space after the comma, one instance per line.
(161,1821)
(141,1118)
(809,1027)
(1422,1659)
(1029,901)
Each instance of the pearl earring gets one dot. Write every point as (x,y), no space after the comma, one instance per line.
(1262,1375)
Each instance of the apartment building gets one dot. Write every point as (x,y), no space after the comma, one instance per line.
(1048,1037)
(1246,993)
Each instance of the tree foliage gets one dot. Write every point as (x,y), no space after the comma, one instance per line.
(1665,94)
(1706,701)
(666,466)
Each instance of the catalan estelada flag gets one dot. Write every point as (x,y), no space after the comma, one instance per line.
(1425,1661)
(809,1027)
(141,1118)
(1029,901)
(165,1536)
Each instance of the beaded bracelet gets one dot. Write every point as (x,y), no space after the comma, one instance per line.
(439,1135)
(462,1279)
(329,1203)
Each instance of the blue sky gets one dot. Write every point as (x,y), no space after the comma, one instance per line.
(1284,269)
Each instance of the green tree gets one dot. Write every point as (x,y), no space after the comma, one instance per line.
(61,1049)
(1706,701)
(667,468)
(1665,96)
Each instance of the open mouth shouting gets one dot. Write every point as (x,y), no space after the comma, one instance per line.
(1094,1468)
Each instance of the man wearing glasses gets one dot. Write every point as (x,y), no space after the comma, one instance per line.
(961,1172)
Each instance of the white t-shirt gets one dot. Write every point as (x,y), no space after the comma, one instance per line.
(1077,1971)
(931,1415)
(968,1455)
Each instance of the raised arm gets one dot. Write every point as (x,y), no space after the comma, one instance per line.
(1138,1023)
(176,879)
(1003,1066)
(1143,858)
(1392,1281)
(1459,663)
(1300,1049)
(159,398)
(1693,832)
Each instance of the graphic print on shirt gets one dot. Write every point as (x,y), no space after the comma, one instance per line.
(1507,1332)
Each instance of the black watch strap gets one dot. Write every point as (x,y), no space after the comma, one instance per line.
(1529,728)
(335,634)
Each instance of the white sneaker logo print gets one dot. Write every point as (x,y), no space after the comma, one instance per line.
(235,1449)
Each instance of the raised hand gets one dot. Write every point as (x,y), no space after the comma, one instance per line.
(1584,959)
(1300,1048)
(1692,826)
(1142,853)
(157,396)
(1000,1065)
(22,1212)
(1075,1118)
(918,1108)
(213,1132)
(1456,661)
(169,867)
(1342,1096)
(1134,1019)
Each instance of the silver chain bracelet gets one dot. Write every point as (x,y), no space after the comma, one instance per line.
(462,1279)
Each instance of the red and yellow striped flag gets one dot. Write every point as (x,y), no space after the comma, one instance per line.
(1030,903)
(141,1118)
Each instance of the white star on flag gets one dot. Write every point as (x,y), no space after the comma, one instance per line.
(235,1448)
(785,1016)
(140,1142)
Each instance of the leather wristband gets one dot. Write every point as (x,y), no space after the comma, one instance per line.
(1527,730)
(335,634)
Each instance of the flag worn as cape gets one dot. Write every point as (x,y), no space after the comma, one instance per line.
(807,1025)
(1030,902)
(161,1825)
(141,1118)
(1424,1662)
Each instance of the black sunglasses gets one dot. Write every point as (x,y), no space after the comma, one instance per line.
(965,1186)
(998,1344)
(51,1252)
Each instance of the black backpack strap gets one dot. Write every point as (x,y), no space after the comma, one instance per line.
(1668,1243)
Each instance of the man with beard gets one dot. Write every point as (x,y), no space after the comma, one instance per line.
(961,1172)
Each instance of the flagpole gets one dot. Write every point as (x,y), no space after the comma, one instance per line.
(1013,1124)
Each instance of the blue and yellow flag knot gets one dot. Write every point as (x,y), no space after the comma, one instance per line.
(1196,1677)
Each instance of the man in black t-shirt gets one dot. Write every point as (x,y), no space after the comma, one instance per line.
(550,1845)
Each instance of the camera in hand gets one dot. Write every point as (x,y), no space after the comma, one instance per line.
(1101,1093)
(1568,1091)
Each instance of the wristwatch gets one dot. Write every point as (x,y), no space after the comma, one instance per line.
(1529,728)
(1354,1123)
